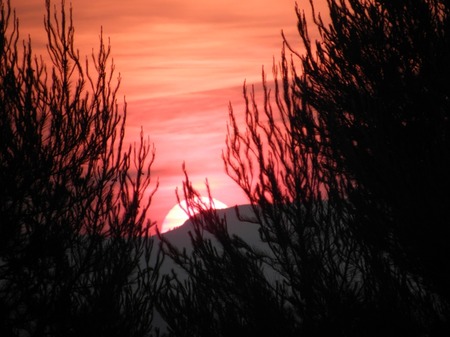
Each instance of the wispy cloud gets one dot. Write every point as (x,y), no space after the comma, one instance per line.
(181,63)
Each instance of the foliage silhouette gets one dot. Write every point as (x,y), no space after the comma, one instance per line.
(75,256)
(345,165)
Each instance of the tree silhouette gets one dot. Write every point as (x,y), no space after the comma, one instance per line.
(346,165)
(226,292)
(75,256)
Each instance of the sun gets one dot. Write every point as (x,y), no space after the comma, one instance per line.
(177,216)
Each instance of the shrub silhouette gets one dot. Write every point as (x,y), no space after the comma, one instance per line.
(75,257)
(344,162)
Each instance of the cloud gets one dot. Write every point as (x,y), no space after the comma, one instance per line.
(181,63)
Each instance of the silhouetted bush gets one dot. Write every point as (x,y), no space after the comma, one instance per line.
(75,257)
(346,165)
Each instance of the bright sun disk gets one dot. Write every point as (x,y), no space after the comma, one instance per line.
(177,216)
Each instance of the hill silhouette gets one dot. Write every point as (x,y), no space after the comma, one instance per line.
(236,225)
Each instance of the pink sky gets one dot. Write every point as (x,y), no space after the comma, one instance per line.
(181,62)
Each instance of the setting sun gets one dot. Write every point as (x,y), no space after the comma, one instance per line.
(177,215)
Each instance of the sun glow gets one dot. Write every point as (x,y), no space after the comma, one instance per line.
(177,215)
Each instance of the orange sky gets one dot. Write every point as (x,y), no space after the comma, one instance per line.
(181,62)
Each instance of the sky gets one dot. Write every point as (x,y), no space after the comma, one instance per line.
(181,62)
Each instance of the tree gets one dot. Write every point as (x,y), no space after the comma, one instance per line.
(226,292)
(385,110)
(75,256)
(344,166)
